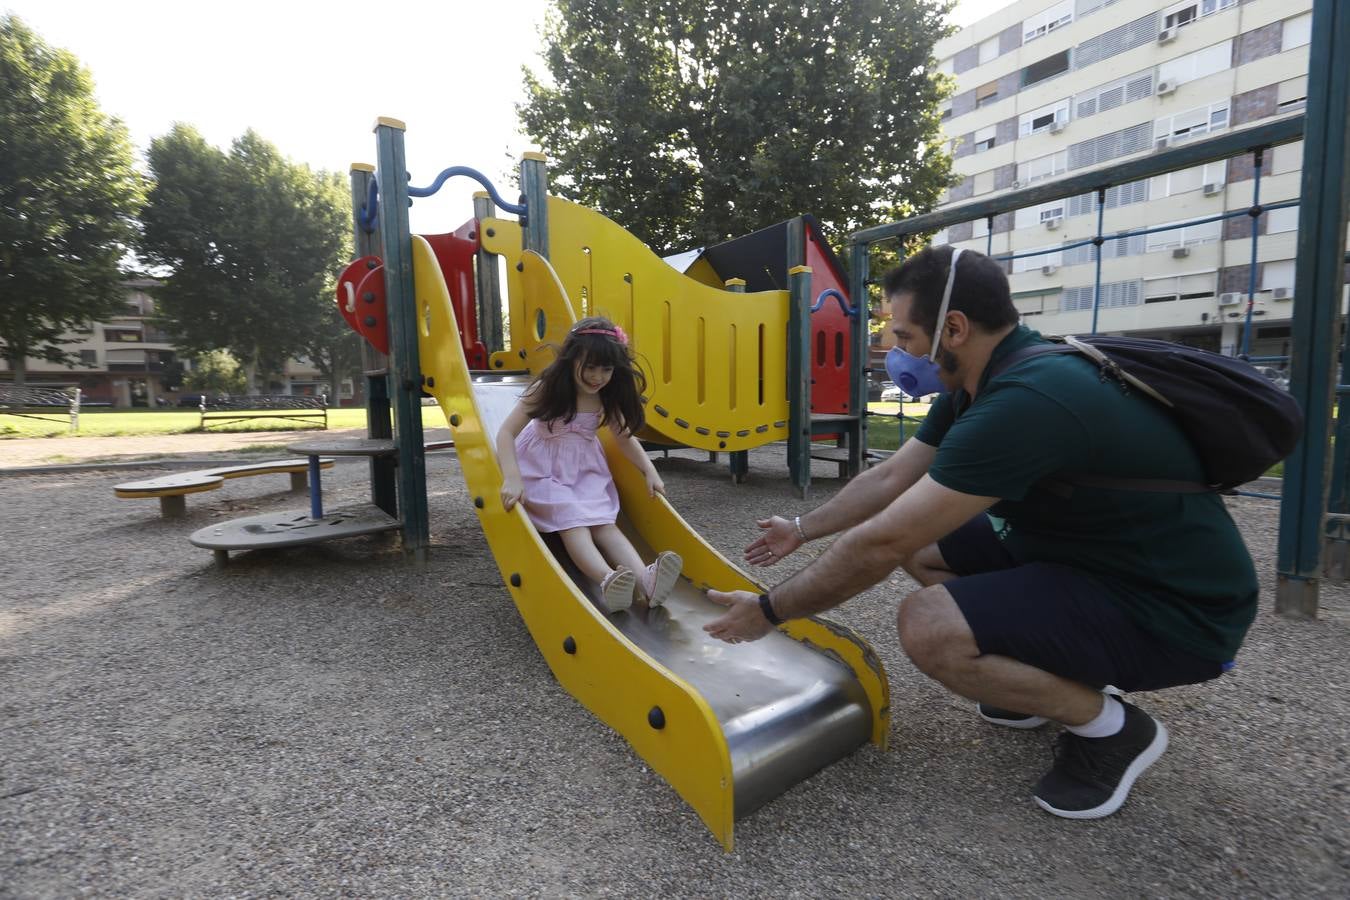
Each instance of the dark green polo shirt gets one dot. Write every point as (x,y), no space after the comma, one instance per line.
(1174,562)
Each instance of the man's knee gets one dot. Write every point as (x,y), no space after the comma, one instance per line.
(932,629)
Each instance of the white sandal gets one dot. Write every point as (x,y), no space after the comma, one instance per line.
(616,591)
(661,577)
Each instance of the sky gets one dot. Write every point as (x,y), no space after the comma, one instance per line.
(311,76)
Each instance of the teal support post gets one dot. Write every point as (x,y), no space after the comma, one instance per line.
(487,282)
(740,459)
(1258,159)
(862,360)
(374,364)
(534,185)
(1098,242)
(405,369)
(799,376)
(1320,280)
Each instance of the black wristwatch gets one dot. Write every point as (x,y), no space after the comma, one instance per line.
(767,608)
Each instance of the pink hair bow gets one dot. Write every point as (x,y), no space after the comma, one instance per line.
(616,332)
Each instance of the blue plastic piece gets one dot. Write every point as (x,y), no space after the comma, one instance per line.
(368,215)
(849,311)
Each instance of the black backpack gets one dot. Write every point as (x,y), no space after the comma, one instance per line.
(1239,421)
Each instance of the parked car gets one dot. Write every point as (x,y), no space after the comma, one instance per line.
(892,394)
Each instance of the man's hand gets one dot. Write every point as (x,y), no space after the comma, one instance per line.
(743,621)
(779,539)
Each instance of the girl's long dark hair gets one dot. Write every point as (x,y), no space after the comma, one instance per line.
(554,395)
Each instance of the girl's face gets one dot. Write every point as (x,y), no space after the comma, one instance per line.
(591,379)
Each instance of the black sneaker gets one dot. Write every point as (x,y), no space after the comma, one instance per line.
(1008,718)
(1092,777)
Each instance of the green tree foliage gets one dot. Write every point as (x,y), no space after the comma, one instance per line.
(253,244)
(215,372)
(68,200)
(692,121)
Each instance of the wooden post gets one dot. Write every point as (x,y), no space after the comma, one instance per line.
(374,364)
(488,282)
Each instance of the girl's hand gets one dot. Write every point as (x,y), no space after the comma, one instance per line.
(654,484)
(512,490)
(779,539)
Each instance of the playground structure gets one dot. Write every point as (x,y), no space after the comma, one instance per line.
(729,727)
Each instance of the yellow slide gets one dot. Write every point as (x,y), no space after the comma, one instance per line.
(728,726)
(716,361)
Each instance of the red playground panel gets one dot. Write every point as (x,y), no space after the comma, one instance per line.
(455,252)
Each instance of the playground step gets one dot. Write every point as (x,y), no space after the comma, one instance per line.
(291,529)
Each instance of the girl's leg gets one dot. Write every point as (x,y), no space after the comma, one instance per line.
(616,584)
(616,547)
(581,547)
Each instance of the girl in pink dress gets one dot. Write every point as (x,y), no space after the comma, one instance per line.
(551,457)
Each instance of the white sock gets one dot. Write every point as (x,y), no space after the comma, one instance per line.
(1108,722)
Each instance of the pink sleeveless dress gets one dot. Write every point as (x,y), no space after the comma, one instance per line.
(565,475)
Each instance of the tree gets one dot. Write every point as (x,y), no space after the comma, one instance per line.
(215,372)
(693,121)
(253,243)
(68,200)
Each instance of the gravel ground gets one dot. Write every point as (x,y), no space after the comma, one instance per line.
(327,721)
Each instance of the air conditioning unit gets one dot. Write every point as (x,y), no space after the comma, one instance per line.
(1167,35)
(1052,223)
(1015,185)
(1213,188)
(1230,299)
(1165,87)
(1181,252)
(1049,270)
(1283,293)
(1057,126)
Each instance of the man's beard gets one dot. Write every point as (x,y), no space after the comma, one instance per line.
(946,359)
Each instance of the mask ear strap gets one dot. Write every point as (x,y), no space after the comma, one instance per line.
(946,301)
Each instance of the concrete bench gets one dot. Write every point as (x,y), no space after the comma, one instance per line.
(297,408)
(171,489)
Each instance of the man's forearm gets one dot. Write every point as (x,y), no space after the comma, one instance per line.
(868,494)
(853,563)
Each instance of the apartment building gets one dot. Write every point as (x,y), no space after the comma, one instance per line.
(1046,88)
(127,361)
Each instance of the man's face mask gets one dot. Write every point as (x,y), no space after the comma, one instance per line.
(918,376)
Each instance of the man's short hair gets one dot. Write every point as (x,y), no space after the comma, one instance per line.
(980,291)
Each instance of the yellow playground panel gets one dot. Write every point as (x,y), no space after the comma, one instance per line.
(715,360)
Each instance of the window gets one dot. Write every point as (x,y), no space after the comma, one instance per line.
(1278,274)
(989,50)
(1192,123)
(1091,6)
(1114,93)
(1211,59)
(1120,195)
(1039,120)
(984,138)
(1208,7)
(1143,30)
(986,94)
(939,238)
(1287,158)
(1184,14)
(945,110)
(1184,181)
(1042,167)
(1111,145)
(1187,236)
(1043,23)
(1297,32)
(121,336)
(1045,256)
(947,66)
(1035,215)
(1196,286)
(1046,68)
(1114,294)
(1279,221)
(984,182)
(980,227)
(89,357)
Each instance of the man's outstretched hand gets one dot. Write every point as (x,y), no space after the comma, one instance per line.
(779,539)
(743,620)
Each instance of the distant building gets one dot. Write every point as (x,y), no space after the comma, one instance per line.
(1048,88)
(127,362)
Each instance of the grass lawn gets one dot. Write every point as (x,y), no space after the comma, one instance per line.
(883,429)
(122,422)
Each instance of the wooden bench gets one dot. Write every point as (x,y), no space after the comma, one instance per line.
(299,408)
(56,405)
(171,489)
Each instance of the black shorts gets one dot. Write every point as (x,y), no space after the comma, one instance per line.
(1057,619)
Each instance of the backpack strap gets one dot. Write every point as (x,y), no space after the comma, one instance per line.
(1063,484)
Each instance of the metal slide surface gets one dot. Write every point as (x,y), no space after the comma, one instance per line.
(729,726)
